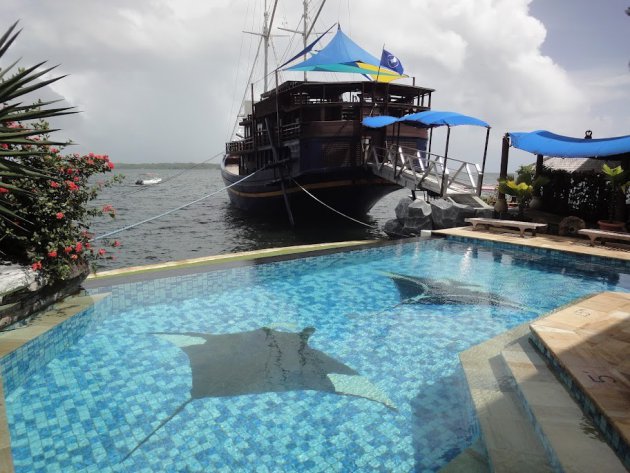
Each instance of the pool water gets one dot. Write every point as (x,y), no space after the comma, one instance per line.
(342,362)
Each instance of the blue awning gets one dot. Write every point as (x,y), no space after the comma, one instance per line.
(428,119)
(549,144)
(379,122)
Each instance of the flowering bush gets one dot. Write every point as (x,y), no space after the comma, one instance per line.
(44,215)
(55,238)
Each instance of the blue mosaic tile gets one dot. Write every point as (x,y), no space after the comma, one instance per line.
(97,392)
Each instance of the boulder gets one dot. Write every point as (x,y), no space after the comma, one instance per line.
(393,228)
(418,218)
(23,291)
(486,212)
(446,214)
(401,208)
(414,226)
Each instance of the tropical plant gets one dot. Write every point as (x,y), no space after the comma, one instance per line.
(13,133)
(618,183)
(524,187)
(44,195)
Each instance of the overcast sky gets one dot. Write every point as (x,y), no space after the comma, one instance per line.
(161,80)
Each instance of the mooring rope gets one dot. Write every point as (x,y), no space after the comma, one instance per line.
(105,235)
(334,210)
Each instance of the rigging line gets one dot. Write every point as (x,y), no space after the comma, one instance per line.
(251,73)
(334,210)
(128,227)
(170,178)
(238,70)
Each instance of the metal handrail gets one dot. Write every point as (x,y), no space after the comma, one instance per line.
(463,173)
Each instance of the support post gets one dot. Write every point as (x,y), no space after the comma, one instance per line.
(483,163)
(501,204)
(444,188)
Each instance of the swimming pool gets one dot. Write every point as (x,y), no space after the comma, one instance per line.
(342,362)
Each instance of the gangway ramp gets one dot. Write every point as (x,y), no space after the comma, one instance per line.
(457,180)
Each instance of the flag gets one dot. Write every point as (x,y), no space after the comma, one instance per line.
(390,61)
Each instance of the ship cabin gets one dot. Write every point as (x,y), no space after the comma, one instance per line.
(311,126)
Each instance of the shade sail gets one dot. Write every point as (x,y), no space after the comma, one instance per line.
(344,55)
(549,144)
(428,119)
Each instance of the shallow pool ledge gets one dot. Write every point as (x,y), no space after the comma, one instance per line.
(528,419)
(226,258)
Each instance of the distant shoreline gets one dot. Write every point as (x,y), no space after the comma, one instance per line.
(167,165)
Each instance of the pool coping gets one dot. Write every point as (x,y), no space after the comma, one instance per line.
(58,313)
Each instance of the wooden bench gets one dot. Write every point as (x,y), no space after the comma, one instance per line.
(495,222)
(594,234)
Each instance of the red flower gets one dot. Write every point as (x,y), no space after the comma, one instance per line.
(74,256)
(76,179)
(110,165)
(67,249)
(4,146)
(101,251)
(59,215)
(54,150)
(79,247)
(108,208)
(54,184)
(37,266)
(116,244)
(72,186)
(4,190)
(52,254)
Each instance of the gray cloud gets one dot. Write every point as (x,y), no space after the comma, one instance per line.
(157,79)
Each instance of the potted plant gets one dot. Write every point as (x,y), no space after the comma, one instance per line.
(618,183)
(525,188)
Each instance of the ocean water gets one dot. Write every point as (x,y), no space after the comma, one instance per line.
(212,226)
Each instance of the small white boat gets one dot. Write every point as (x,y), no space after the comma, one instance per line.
(148,179)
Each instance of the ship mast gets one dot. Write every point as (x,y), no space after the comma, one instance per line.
(266,35)
(306,30)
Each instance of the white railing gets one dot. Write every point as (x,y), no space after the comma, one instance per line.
(427,171)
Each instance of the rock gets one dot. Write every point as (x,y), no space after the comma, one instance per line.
(419,209)
(401,208)
(413,226)
(487,212)
(15,278)
(570,226)
(418,218)
(24,291)
(393,228)
(446,214)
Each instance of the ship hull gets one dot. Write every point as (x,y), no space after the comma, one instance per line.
(351,191)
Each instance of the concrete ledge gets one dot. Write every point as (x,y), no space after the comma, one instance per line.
(226,258)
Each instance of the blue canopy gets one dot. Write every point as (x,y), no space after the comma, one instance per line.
(379,122)
(340,50)
(428,119)
(549,144)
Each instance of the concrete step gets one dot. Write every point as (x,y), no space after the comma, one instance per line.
(571,441)
(472,460)
(509,437)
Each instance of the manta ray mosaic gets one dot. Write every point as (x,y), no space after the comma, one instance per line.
(343,362)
